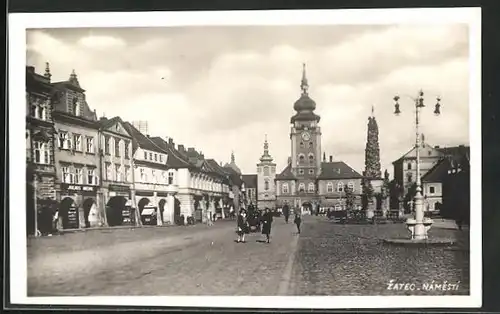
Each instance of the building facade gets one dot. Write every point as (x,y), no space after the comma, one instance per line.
(266,175)
(250,189)
(305,181)
(76,157)
(40,171)
(115,154)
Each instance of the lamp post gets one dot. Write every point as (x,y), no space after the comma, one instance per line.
(418,226)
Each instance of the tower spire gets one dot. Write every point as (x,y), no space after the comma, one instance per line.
(73,78)
(266,157)
(47,74)
(304,84)
(232,157)
(373,111)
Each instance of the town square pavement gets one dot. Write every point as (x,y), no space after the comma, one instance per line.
(325,259)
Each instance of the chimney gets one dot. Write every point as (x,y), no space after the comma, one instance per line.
(31,69)
(170,141)
(180,148)
(437,146)
(103,119)
(331,158)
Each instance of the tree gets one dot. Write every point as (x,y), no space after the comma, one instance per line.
(350,197)
(372,150)
(367,190)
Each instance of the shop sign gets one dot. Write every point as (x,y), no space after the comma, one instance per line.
(74,187)
(119,188)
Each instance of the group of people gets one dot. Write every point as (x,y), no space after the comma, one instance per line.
(243,226)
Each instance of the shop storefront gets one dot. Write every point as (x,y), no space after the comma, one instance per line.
(78,206)
(119,207)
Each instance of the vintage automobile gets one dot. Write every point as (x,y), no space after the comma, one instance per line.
(148,215)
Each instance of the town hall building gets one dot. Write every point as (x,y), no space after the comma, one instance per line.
(307,180)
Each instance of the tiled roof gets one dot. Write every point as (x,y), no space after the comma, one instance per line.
(174,159)
(286,174)
(216,167)
(337,170)
(454,156)
(233,175)
(141,140)
(250,180)
(104,123)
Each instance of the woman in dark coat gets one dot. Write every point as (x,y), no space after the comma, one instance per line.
(242,227)
(286,212)
(298,220)
(267,220)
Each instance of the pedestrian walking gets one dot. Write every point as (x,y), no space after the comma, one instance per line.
(242,227)
(209,218)
(298,220)
(231,212)
(286,212)
(267,220)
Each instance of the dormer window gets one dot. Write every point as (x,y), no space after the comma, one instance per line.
(76,106)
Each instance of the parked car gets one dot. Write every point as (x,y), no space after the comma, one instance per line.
(148,215)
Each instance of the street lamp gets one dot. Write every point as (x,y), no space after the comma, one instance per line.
(418,226)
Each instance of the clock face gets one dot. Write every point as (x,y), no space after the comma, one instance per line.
(306,136)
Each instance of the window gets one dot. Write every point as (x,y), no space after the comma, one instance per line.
(76,107)
(350,185)
(302,187)
(67,176)
(150,156)
(170,178)
(329,187)
(310,187)
(161,159)
(266,170)
(118,173)
(41,152)
(38,109)
(301,144)
(285,188)
(153,175)
(117,147)
(311,158)
(266,185)
(145,156)
(127,175)
(126,144)
(301,158)
(143,175)
(64,140)
(311,171)
(340,187)
(109,172)
(409,177)
(408,166)
(78,175)
(310,144)
(91,177)
(77,138)
(156,157)
(107,147)
(301,171)
(432,190)
(429,153)
(90,144)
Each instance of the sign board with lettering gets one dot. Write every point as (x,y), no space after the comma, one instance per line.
(119,188)
(73,218)
(78,188)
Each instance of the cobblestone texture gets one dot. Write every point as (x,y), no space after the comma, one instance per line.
(205,262)
(352,260)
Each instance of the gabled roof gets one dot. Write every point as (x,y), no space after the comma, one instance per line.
(455,156)
(337,170)
(108,123)
(216,167)
(286,174)
(174,158)
(141,140)
(250,180)
(409,153)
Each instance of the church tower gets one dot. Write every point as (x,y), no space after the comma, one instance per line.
(305,139)
(266,173)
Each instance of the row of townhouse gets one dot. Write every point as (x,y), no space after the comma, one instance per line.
(105,172)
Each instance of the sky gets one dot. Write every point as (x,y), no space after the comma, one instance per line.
(222,89)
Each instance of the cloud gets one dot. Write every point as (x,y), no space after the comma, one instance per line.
(101,42)
(241,83)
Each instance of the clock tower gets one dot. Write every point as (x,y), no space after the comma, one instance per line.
(305,136)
